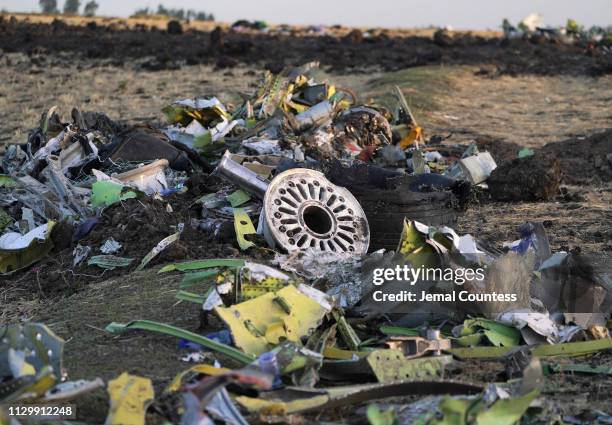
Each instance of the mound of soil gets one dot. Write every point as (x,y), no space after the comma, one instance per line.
(534,178)
(576,161)
(501,151)
(583,160)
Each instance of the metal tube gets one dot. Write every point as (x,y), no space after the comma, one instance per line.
(242,177)
(314,115)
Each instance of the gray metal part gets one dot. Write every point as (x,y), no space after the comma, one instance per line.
(304,210)
(40,345)
(314,115)
(242,177)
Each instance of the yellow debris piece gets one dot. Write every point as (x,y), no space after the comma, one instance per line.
(44,381)
(281,408)
(336,353)
(129,398)
(243,226)
(16,259)
(261,323)
(204,369)
(416,247)
(415,135)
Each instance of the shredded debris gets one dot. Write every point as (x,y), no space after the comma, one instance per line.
(313,234)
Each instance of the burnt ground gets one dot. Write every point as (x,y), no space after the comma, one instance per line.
(156,49)
(552,98)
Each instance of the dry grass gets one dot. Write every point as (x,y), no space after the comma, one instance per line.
(158,22)
(121,93)
(583,224)
(422,86)
(527,110)
(91,352)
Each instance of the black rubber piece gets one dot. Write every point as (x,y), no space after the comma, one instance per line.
(386,210)
(387,197)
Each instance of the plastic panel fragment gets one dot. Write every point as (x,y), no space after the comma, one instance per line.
(243,226)
(129,398)
(17,251)
(252,320)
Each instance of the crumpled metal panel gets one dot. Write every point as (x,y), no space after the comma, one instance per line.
(260,323)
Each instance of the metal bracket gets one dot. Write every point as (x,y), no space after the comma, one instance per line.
(416,346)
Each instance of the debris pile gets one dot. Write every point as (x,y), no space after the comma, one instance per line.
(277,147)
(343,281)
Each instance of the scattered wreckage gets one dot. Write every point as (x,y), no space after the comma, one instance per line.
(304,172)
(572,32)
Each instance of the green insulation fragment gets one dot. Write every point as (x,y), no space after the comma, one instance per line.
(506,411)
(191,297)
(197,278)
(203,264)
(105,193)
(148,325)
(396,330)
(498,333)
(7,181)
(238,198)
(109,262)
(568,349)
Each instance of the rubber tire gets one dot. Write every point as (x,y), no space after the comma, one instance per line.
(386,210)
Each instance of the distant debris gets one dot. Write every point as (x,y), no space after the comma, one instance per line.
(246,25)
(530,23)
(174,27)
(573,32)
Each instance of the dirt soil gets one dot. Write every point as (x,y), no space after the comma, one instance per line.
(154,49)
(505,96)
